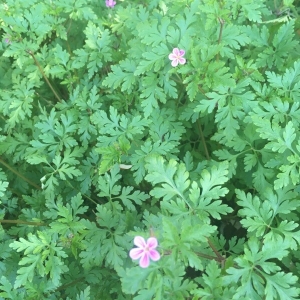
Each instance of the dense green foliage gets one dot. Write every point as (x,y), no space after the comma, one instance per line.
(101,139)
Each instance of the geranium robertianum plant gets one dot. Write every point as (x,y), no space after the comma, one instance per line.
(171,125)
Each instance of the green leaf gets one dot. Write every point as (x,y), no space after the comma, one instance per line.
(26,274)
(128,199)
(210,180)
(153,61)
(203,204)
(253,10)
(68,220)
(84,295)
(173,177)
(212,284)
(110,156)
(41,256)
(152,93)
(122,76)
(115,254)
(255,269)
(92,253)
(250,160)
(140,275)
(257,213)
(3,186)
(282,201)
(7,290)
(279,285)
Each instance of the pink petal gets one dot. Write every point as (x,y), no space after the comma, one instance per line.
(176,51)
(182,60)
(172,56)
(145,261)
(136,253)
(140,242)
(174,63)
(152,243)
(110,3)
(154,255)
(181,52)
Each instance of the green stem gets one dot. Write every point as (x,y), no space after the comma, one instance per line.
(19,174)
(43,98)
(202,91)
(63,287)
(219,256)
(87,197)
(23,222)
(222,22)
(203,140)
(207,256)
(43,73)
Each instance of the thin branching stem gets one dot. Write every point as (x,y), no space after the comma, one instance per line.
(63,287)
(222,22)
(219,256)
(19,174)
(200,254)
(203,140)
(23,222)
(44,75)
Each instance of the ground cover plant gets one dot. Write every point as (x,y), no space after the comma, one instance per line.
(149,149)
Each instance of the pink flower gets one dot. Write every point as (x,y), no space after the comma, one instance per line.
(110,3)
(177,57)
(145,251)
(7,41)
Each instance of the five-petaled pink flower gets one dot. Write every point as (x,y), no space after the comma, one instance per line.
(177,57)
(110,3)
(145,250)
